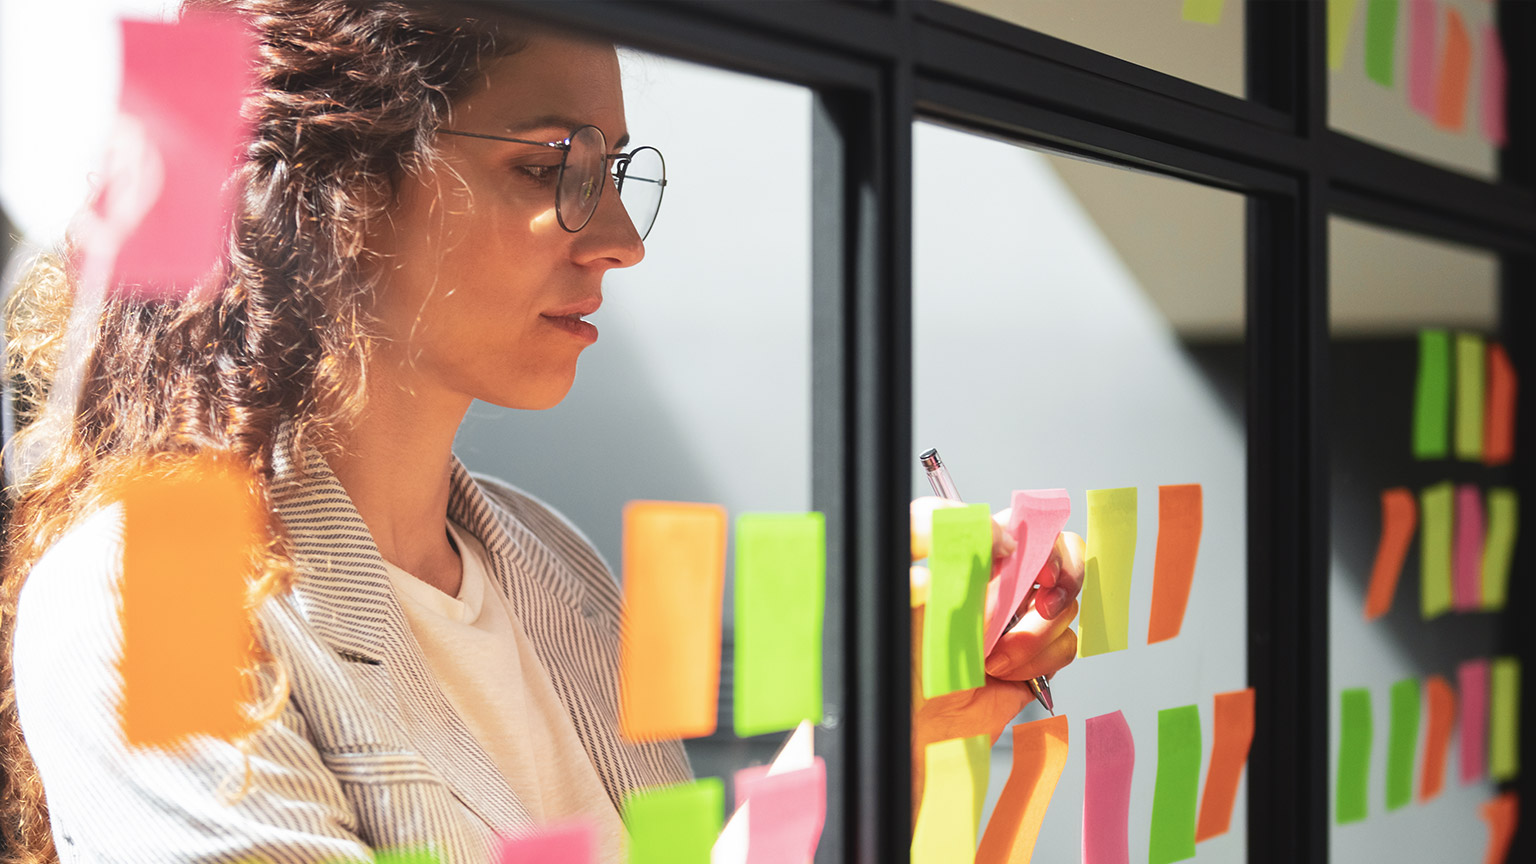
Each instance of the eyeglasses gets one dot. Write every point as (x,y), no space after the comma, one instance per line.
(640,176)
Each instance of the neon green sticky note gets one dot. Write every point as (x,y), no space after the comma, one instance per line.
(955,774)
(1436,505)
(1432,396)
(781,589)
(1352,782)
(674,824)
(1111,550)
(1499,547)
(1176,797)
(1380,40)
(1402,736)
(1504,719)
(1341,18)
(1471,362)
(405,856)
(960,564)
(1203,11)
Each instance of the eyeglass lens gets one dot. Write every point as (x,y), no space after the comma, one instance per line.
(640,180)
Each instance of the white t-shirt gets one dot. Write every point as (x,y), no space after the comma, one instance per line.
(476,648)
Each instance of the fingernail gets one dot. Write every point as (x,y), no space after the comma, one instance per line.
(1053,602)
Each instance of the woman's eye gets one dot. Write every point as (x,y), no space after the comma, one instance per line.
(539,173)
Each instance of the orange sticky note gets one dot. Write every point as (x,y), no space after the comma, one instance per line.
(1179,518)
(1501,814)
(189,545)
(1229,753)
(1399,518)
(1437,735)
(1455,74)
(1499,421)
(674,580)
(1039,754)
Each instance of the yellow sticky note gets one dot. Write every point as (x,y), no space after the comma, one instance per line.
(1341,17)
(1203,11)
(1111,550)
(1504,719)
(955,777)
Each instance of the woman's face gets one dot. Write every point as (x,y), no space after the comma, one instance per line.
(479,281)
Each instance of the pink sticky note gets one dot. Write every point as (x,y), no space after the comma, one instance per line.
(787,814)
(1494,77)
(1035,521)
(1467,580)
(1472,682)
(163,212)
(557,844)
(1110,754)
(1421,56)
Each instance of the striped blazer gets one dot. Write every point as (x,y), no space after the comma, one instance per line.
(369,754)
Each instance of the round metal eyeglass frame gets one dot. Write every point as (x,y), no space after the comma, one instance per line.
(619,171)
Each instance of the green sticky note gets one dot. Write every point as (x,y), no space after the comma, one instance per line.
(405,856)
(1436,510)
(960,563)
(1380,40)
(1175,799)
(1402,737)
(1111,550)
(1471,362)
(674,824)
(781,589)
(1203,11)
(1341,18)
(1352,783)
(955,774)
(1432,396)
(1504,719)
(1499,547)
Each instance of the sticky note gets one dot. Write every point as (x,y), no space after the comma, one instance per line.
(1105,604)
(1402,737)
(1440,704)
(781,589)
(1203,11)
(961,565)
(1399,518)
(1467,560)
(1421,55)
(1495,78)
(674,824)
(426,855)
(1039,755)
(1233,726)
(955,778)
(1179,520)
(1341,19)
(674,581)
(1352,781)
(1455,74)
(1432,396)
(188,542)
(786,814)
(1470,366)
(1035,521)
(1110,756)
(1502,815)
(1472,685)
(1504,718)
(1499,419)
(555,844)
(1175,798)
(1435,547)
(1499,548)
(1380,40)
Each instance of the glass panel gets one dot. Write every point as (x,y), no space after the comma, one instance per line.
(1386,59)
(1385,286)
(1082,327)
(1161,36)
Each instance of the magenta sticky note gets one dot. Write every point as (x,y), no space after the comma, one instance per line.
(1467,564)
(1472,700)
(1421,56)
(1036,520)
(787,814)
(1110,755)
(163,212)
(1495,76)
(556,844)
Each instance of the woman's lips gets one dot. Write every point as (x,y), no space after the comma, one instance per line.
(572,324)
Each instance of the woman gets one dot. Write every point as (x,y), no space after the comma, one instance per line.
(438,652)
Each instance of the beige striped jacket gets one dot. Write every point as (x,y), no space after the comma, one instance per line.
(369,754)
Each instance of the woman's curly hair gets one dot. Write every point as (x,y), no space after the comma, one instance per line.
(347,98)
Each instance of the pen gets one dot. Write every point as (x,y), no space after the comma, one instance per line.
(944,487)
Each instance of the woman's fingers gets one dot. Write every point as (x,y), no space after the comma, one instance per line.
(1061,579)
(1017,655)
(1047,661)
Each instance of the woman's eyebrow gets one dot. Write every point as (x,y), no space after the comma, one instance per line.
(557,121)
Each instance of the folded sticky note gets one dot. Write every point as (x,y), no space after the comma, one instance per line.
(1035,521)
(554,844)
(786,814)
(1422,15)
(1229,753)
(1110,754)
(1499,418)
(955,777)
(781,588)
(1380,40)
(1471,365)
(1039,754)
(961,564)
(1502,815)
(1467,560)
(1436,504)
(1175,798)
(1341,19)
(1472,684)
(674,580)
(1179,521)
(1499,548)
(1504,718)
(1111,550)
(1399,518)
(1402,736)
(1455,73)
(674,824)
(1352,781)
(1440,702)
(1432,396)
(1495,80)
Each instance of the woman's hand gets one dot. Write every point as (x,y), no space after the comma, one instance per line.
(1040,644)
